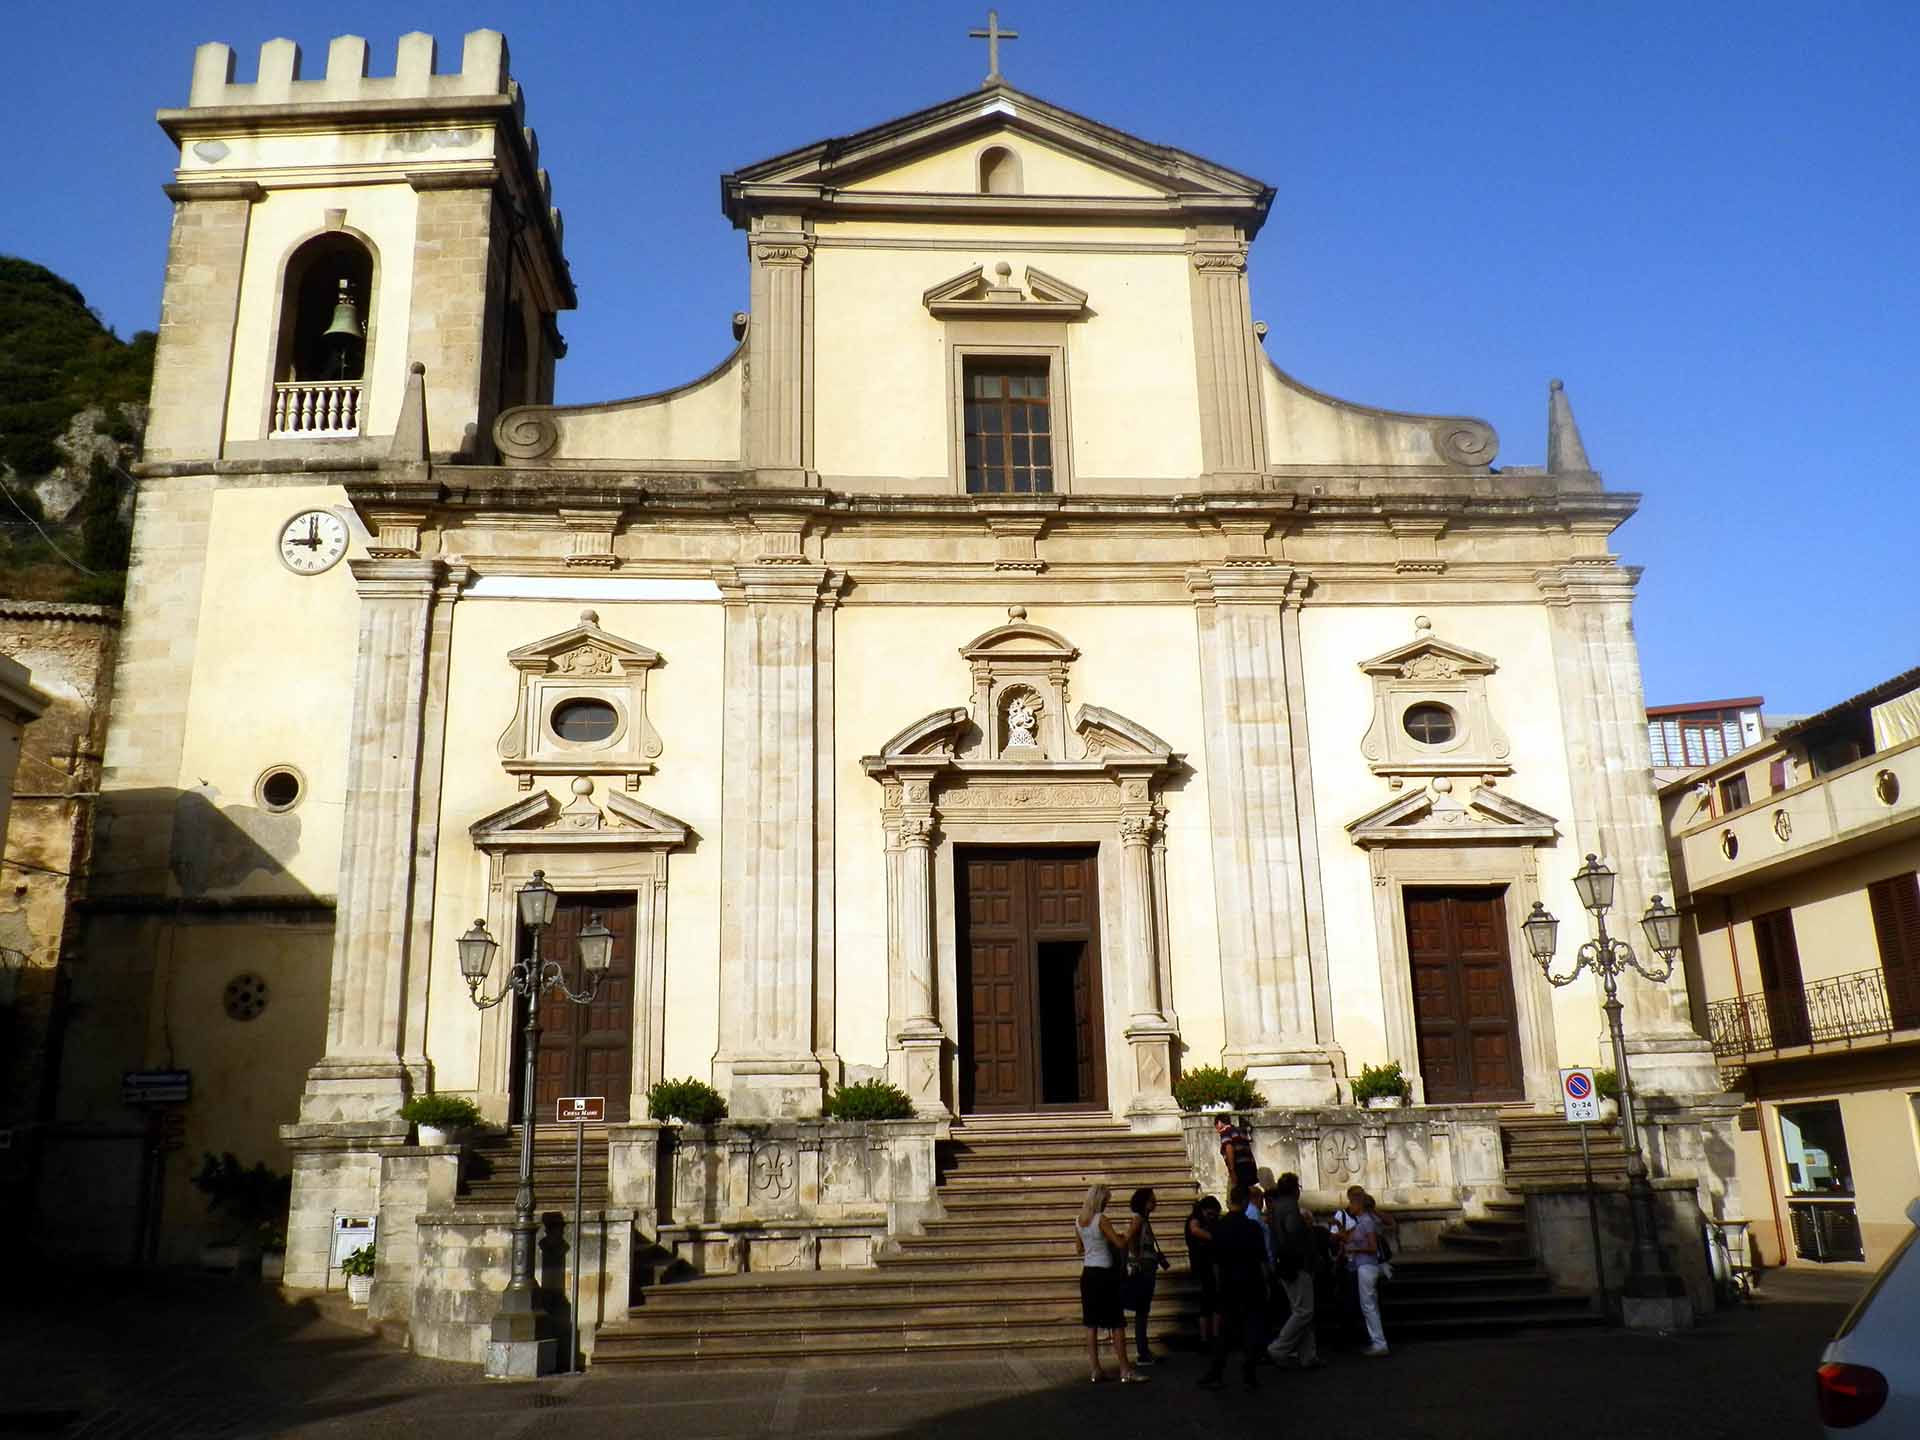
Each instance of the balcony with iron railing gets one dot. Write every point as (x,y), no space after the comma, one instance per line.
(1867,1004)
(316,409)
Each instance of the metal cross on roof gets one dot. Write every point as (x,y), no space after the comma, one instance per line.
(993,35)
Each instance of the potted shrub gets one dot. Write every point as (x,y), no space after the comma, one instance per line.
(685,1102)
(249,1199)
(868,1100)
(442,1119)
(358,1268)
(1211,1087)
(1381,1087)
(1606,1084)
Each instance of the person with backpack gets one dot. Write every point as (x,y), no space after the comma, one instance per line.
(1236,1149)
(1297,1251)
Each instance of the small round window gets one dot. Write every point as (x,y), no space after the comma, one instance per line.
(1429,724)
(245,997)
(585,720)
(279,788)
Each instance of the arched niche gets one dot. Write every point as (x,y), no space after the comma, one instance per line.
(1000,172)
(310,292)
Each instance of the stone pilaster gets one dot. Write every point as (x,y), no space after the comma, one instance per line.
(1603,715)
(920,1037)
(780,352)
(362,1076)
(1276,1023)
(773,721)
(193,355)
(1232,422)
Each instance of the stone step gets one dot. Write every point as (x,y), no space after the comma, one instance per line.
(1057,1187)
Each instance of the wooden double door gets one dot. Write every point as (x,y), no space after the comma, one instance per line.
(1464,1013)
(1031,1031)
(584,1049)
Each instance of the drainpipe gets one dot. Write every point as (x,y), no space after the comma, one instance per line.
(1766,1149)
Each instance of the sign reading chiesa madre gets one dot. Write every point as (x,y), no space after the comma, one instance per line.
(580,1109)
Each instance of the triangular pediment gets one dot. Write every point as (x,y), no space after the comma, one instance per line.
(540,820)
(1429,816)
(1430,659)
(973,295)
(1065,157)
(584,649)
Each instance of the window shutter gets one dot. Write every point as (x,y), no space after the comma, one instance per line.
(1895,902)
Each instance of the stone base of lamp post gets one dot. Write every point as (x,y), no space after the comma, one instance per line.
(521,1347)
(1658,1311)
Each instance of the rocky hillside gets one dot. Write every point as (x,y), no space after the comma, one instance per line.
(72,412)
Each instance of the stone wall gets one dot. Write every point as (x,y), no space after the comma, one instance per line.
(779,1195)
(1558,1217)
(462,1265)
(1416,1155)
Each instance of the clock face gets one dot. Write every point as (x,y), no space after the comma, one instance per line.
(312,541)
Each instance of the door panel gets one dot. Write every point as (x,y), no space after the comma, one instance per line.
(1030,1020)
(586,1049)
(1464,1012)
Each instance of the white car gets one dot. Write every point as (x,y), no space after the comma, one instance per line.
(1869,1377)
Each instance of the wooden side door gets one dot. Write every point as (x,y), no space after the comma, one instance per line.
(587,1049)
(1784,991)
(996,998)
(1464,1013)
(1066,920)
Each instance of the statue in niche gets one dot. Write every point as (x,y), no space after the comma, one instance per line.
(1023,715)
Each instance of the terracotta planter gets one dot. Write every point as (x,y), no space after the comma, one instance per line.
(360,1290)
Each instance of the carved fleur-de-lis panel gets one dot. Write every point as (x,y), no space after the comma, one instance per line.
(581,707)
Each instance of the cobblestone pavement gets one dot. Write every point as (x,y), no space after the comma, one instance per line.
(173,1355)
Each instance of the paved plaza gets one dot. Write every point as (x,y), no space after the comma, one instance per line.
(188,1355)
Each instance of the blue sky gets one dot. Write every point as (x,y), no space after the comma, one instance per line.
(1702,216)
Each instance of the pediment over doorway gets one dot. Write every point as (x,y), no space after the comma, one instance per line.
(1437,816)
(541,822)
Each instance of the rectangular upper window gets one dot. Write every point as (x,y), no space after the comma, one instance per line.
(1008,427)
(1733,794)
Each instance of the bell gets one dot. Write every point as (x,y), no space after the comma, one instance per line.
(346,318)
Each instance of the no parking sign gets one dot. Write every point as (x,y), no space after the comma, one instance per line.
(1580,1097)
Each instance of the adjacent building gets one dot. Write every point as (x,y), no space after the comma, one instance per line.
(1795,860)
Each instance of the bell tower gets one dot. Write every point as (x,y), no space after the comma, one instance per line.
(328,233)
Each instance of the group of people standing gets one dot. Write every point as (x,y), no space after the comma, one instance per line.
(1263,1265)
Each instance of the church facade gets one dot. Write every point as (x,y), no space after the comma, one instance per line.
(997,674)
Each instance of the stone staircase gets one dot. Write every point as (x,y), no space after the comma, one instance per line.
(999,1268)
(1546,1149)
(490,1170)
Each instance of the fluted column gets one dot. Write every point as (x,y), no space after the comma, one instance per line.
(1150,1037)
(362,1076)
(922,1042)
(1276,1024)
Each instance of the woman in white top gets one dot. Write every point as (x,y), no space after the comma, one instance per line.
(1101,1249)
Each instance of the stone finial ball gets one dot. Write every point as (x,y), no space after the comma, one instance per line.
(590,617)
(582,786)
(418,367)
(1016,612)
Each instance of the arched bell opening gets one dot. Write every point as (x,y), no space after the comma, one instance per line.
(325,340)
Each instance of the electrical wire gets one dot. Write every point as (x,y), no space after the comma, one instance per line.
(14,501)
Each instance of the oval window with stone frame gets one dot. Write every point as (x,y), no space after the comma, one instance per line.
(1428,723)
(584,721)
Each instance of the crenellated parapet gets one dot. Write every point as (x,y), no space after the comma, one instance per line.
(483,71)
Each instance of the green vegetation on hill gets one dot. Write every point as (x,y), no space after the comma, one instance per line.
(57,362)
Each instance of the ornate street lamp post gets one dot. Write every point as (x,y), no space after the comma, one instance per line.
(1649,1274)
(522,1341)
